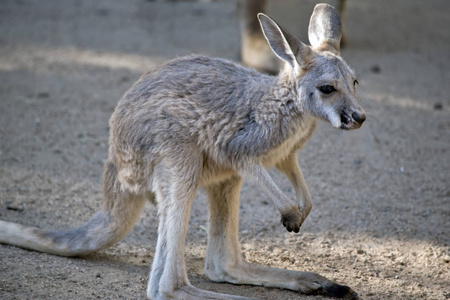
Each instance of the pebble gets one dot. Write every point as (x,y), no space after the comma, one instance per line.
(375,69)
(438,106)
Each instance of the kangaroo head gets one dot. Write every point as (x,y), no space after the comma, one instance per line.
(324,83)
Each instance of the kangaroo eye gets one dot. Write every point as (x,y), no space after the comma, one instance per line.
(355,82)
(327,89)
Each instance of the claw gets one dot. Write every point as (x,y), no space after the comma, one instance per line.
(338,291)
(292,220)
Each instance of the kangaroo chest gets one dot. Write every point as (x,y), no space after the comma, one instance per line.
(292,144)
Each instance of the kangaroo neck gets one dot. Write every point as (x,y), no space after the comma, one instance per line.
(273,118)
(276,102)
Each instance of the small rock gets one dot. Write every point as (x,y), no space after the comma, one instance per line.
(375,69)
(288,259)
(15,208)
(357,162)
(438,106)
(43,94)
(124,79)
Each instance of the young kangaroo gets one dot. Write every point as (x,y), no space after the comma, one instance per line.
(203,122)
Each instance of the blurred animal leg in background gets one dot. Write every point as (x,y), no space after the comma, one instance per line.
(255,52)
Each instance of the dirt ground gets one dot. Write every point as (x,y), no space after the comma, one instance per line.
(381,215)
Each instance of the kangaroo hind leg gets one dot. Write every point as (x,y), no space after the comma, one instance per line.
(175,189)
(225,262)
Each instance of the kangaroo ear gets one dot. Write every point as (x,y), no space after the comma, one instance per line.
(325,29)
(285,45)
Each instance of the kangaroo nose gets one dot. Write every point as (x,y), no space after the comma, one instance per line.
(359,117)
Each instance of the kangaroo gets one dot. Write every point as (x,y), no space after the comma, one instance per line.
(207,122)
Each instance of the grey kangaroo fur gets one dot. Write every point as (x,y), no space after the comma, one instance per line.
(204,122)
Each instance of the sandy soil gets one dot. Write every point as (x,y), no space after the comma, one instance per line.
(381,218)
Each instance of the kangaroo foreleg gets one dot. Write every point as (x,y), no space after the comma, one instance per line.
(292,216)
(291,169)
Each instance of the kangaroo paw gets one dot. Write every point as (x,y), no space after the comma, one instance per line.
(292,220)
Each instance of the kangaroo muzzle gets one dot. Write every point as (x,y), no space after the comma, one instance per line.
(352,120)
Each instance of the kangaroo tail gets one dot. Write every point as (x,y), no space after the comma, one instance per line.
(120,212)
(92,236)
